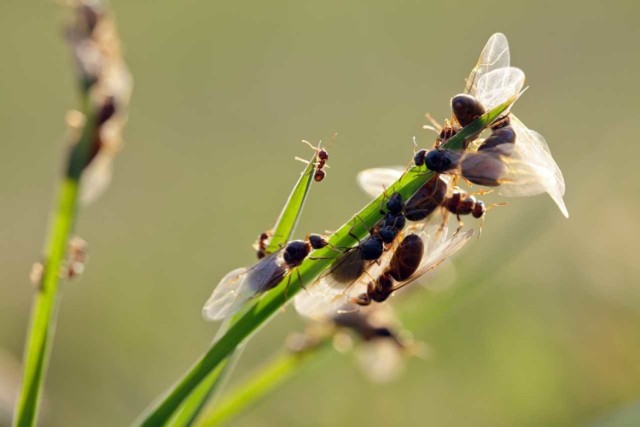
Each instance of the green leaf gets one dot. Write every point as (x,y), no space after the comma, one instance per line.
(286,224)
(264,308)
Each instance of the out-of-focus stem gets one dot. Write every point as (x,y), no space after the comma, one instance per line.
(43,314)
(260,384)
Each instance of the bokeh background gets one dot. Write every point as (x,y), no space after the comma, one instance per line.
(542,327)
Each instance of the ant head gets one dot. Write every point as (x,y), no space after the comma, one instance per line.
(388,234)
(395,204)
(418,159)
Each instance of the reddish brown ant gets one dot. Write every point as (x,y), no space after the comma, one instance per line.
(322,156)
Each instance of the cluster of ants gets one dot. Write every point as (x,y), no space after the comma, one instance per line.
(436,193)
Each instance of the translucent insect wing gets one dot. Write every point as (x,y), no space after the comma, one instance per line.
(498,86)
(242,284)
(373,181)
(327,296)
(494,55)
(266,273)
(229,296)
(319,300)
(533,170)
(438,247)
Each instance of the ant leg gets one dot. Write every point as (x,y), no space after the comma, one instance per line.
(313,147)
(354,224)
(445,218)
(300,280)
(434,123)
(460,224)
(495,205)
(300,159)
(286,287)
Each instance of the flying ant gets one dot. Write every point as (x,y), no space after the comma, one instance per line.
(415,255)
(242,284)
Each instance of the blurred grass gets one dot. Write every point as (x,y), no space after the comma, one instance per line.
(552,337)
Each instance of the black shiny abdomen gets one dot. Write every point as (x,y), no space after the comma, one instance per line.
(442,160)
(466,108)
(407,257)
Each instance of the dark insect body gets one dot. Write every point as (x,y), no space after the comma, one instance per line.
(404,263)
(363,327)
(461,203)
(319,173)
(466,108)
(261,245)
(484,167)
(427,199)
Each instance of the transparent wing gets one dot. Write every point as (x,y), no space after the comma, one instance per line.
(494,55)
(328,295)
(242,284)
(266,273)
(498,86)
(438,247)
(531,169)
(373,181)
(229,296)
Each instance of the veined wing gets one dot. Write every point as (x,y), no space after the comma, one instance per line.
(438,247)
(498,86)
(228,297)
(373,181)
(328,295)
(242,284)
(494,55)
(531,169)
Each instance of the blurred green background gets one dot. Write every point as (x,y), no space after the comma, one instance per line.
(543,325)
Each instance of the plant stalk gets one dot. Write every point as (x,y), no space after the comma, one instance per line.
(260,384)
(264,308)
(44,310)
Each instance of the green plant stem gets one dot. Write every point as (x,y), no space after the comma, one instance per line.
(282,232)
(44,310)
(198,399)
(260,384)
(264,308)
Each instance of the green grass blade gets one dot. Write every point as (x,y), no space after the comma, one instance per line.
(286,224)
(197,400)
(309,269)
(283,230)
